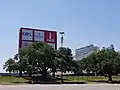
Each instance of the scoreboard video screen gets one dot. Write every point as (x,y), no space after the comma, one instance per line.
(30,35)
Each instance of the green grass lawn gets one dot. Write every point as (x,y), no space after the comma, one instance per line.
(95,79)
(12,80)
(9,80)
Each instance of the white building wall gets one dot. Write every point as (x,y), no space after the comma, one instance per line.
(85,51)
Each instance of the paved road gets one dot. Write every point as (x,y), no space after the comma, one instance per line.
(61,87)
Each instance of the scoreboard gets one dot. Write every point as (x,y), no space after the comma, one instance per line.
(29,35)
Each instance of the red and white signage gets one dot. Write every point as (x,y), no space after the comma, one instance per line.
(29,35)
(50,37)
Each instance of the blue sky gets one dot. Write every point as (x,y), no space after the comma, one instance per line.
(84,22)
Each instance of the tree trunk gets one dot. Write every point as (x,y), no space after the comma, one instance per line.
(20,73)
(61,77)
(30,74)
(44,74)
(110,77)
(53,72)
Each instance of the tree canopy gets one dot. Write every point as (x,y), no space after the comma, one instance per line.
(40,58)
(105,61)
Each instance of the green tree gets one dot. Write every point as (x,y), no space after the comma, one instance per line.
(76,67)
(64,60)
(105,61)
(21,61)
(92,63)
(110,63)
(10,65)
(39,58)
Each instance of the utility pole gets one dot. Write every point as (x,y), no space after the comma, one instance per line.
(62,33)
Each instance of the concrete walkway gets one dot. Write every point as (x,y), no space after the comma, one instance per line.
(62,87)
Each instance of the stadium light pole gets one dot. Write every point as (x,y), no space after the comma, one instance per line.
(61,33)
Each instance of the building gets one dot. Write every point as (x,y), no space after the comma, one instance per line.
(85,51)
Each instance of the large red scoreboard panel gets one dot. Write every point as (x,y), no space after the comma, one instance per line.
(30,35)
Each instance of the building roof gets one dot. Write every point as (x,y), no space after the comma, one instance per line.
(84,47)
